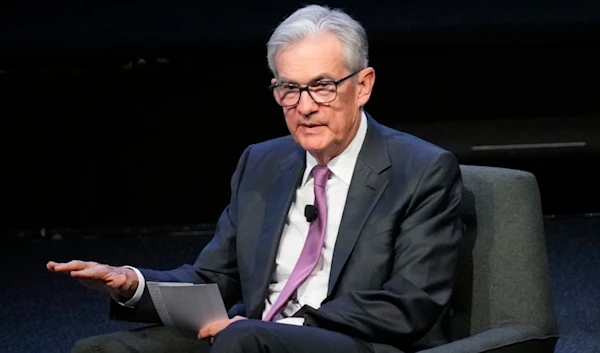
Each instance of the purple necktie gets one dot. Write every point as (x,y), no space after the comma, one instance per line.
(312,247)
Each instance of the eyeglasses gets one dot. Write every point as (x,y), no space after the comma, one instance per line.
(322,91)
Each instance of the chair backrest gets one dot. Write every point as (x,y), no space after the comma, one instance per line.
(503,276)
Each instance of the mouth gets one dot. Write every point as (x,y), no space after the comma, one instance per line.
(311,126)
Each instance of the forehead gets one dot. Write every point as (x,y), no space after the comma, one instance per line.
(317,56)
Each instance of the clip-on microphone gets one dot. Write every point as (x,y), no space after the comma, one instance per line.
(310,212)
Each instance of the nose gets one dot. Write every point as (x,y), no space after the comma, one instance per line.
(306,105)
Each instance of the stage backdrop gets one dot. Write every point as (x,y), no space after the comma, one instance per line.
(120,114)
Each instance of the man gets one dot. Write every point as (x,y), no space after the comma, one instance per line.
(341,237)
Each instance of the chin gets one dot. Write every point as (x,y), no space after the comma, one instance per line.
(312,144)
(312,148)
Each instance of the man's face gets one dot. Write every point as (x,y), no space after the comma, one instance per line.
(324,130)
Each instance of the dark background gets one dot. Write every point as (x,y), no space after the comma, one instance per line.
(134,113)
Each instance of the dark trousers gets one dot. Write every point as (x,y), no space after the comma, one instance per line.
(247,336)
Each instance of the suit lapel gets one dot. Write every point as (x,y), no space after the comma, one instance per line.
(279,199)
(368,183)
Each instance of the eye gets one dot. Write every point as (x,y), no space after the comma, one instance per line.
(288,87)
(320,84)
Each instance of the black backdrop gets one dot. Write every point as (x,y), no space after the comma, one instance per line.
(135,113)
(185,22)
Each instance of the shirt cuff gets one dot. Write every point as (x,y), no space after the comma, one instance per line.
(138,292)
(298,321)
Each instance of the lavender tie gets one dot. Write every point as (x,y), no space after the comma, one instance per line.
(309,257)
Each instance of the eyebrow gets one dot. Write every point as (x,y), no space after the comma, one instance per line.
(319,77)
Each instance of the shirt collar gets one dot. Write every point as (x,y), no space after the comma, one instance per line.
(342,166)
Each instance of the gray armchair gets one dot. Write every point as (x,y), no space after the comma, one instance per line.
(502,301)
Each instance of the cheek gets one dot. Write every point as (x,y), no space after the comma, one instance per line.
(348,97)
(289,121)
(292,125)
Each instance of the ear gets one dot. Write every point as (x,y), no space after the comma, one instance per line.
(366,80)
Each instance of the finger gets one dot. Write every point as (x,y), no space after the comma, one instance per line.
(92,279)
(220,326)
(52,264)
(205,331)
(95,272)
(211,330)
(74,265)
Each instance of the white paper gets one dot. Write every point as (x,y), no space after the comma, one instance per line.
(159,303)
(187,307)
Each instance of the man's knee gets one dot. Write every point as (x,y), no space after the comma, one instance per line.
(99,344)
(152,339)
(135,340)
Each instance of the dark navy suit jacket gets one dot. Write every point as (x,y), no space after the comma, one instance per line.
(396,252)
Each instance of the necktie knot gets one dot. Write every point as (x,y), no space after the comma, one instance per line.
(321,174)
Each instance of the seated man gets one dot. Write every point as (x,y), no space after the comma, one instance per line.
(342,237)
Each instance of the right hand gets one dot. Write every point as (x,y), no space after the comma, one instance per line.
(120,282)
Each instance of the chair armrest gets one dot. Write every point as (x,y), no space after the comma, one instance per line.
(506,339)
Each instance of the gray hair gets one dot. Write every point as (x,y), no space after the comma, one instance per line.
(314,19)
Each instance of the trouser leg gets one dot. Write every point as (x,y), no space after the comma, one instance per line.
(153,339)
(254,336)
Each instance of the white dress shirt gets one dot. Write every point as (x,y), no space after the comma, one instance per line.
(314,290)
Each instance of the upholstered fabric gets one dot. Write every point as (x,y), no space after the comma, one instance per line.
(502,301)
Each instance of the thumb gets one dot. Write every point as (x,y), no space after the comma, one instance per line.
(116,280)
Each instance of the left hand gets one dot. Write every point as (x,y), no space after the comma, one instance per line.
(213,329)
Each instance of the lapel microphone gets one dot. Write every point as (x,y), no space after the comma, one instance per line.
(310,212)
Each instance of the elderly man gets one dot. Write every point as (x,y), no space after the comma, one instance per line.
(342,237)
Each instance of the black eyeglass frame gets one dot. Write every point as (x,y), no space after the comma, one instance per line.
(313,84)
